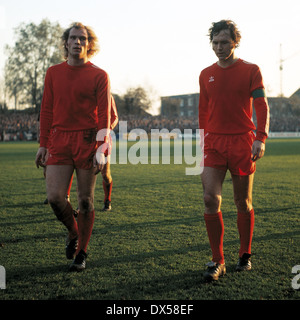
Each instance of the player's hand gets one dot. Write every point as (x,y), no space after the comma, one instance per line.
(41,157)
(99,162)
(258,150)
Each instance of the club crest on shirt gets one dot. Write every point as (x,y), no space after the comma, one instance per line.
(211,79)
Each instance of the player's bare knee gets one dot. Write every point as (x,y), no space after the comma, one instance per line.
(107,179)
(243,205)
(86,205)
(212,200)
(57,205)
(56,202)
(106,175)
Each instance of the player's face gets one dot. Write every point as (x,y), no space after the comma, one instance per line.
(223,45)
(78,44)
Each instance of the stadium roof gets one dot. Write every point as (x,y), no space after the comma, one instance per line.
(296,93)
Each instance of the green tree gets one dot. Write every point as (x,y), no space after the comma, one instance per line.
(37,47)
(137,101)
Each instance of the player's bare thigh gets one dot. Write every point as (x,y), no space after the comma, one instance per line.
(242,189)
(57,182)
(105,172)
(212,181)
(86,181)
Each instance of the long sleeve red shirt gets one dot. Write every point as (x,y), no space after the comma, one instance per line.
(225,103)
(75,98)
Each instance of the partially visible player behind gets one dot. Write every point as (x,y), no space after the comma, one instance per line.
(107,181)
(76,105)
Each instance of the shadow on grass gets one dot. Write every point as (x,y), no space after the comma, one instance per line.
(22,205)
(261,211)
(26,281)
(119,277)
(31,219)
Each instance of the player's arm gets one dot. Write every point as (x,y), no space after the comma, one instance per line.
(41,157)
(262,114)
(46,114)
(104,110)
(46,118)
(263,117)
(203,105)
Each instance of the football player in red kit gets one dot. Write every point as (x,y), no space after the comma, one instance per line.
(107,181)
(76,105)
(228,89)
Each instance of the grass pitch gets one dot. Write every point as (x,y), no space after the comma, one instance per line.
(153,244)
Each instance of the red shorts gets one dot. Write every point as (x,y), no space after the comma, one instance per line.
(232,152)
(76,148)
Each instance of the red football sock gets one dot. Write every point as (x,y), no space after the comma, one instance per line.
(245,223)
(85,228)
(215,231)
(107,190)
(70,186)
(67,218)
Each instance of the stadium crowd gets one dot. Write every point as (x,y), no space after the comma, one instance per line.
(23,126)
(18,126)
(158,122)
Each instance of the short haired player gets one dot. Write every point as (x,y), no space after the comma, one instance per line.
(228,89)
(76,105)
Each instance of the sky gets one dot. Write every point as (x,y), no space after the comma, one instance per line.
(162,45)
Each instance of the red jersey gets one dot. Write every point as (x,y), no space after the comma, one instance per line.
(225,103)
(74,99)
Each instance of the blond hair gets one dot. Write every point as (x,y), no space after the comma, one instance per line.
(92,38)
